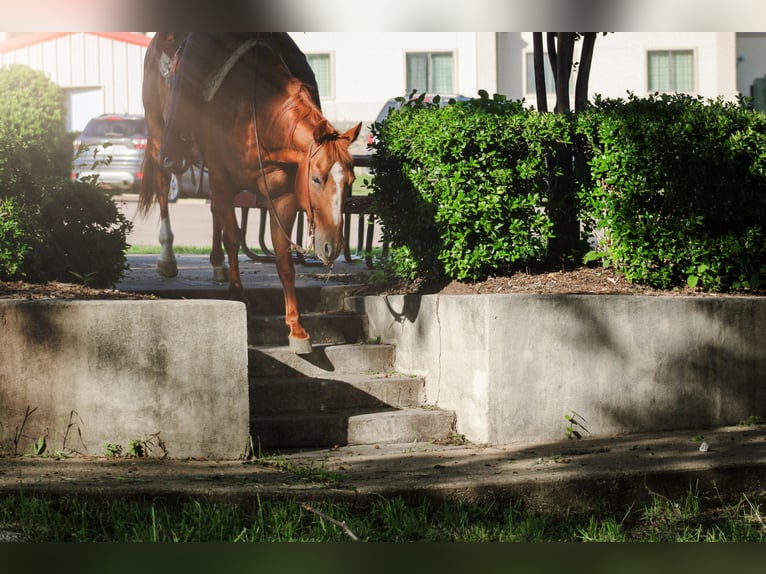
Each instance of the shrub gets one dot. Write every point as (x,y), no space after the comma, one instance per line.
(678,190)
(33,108)
(14,244)
(461,189)
(81,236)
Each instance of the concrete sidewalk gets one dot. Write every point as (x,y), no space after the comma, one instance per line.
(195,274)
(616,471)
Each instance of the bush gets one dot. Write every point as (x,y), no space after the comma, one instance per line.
(461,189)
(50,227)
(678,190)
(14,244)
(33,108)
(80,236)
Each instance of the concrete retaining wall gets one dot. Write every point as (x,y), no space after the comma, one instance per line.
(513,366)
(87,373)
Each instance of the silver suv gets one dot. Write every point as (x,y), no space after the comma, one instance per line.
(111,147)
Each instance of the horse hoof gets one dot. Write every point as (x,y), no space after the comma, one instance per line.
(221,274)
(300,346)
(167,268)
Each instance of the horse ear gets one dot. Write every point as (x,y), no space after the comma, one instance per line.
(353,133)
(322,130)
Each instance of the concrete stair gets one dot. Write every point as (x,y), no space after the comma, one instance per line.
(345,392)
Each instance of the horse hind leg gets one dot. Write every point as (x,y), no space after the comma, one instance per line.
(166,262)
(217,261)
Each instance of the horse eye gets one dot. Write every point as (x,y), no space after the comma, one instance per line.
(316,180)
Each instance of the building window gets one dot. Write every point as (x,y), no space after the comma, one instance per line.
(670,71)
(430,72)
(550,81)
(321,64)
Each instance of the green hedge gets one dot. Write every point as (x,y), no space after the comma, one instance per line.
(678,190)
(460,189)
(675,188)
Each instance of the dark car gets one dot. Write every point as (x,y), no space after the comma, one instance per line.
(396,103)
(112,147)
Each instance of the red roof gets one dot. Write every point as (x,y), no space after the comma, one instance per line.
(40,37)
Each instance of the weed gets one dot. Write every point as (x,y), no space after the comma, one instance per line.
(40,446)
(86,279)
(112,450)
(452,439)
(574,420)
(136,448)
(751,421)
(307,473)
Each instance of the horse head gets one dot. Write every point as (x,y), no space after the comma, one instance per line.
(322,185)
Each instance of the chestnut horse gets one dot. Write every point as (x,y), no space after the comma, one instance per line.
(262,132)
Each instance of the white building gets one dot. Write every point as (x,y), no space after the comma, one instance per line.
(358,71)
(363,70)
(101,72)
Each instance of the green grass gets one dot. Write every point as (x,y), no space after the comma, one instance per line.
(178,249)
(46,518)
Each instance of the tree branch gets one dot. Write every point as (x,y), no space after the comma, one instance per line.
(338,523)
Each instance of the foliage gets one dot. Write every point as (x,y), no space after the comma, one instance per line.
(460,189)
(81,236)
(13,243)
(33,108)
(51,228)
(678,190)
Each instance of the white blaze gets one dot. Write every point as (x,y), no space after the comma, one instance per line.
(337,200)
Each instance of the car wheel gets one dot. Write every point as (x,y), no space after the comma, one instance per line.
(175,188)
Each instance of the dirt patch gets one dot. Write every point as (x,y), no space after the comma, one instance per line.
(583,280)
(56,290)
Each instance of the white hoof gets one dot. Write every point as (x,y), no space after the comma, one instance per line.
(167,268)
(300,346)
(221,274)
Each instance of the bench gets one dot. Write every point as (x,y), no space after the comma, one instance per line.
(355,206)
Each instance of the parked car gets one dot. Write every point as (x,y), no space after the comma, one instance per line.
(396,103)
(112,147)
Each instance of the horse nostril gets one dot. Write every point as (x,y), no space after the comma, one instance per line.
(327,250)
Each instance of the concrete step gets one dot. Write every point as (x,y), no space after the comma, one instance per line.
(324,328)
(324,360)
(282,396)
(350,428)
(329,298)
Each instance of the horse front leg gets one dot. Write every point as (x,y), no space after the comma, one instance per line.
(286,209)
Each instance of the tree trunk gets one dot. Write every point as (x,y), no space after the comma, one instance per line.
(540,87)
(564,57)
(562,205)
(583,72)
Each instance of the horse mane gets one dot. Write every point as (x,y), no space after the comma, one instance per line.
(299,107)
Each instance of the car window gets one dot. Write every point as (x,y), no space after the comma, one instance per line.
(114,128)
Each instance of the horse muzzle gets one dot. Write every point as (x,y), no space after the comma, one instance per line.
(327,248)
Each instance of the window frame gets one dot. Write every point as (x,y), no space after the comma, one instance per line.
(673,77)
(331,71)
(550,87)
(429,79)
